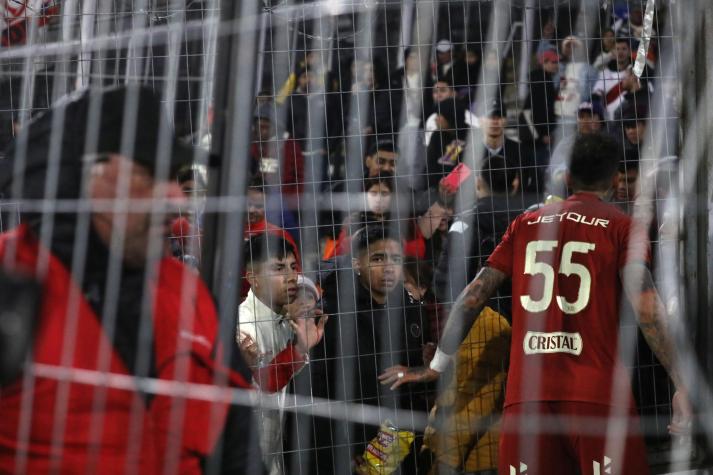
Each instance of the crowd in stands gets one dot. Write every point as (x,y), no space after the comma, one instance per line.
(404,227)
(422,169)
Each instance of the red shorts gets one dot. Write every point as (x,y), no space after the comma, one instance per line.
(565,438)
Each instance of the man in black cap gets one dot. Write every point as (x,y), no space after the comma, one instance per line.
(114,308)
(492,119)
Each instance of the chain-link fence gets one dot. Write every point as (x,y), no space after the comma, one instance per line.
(242,262)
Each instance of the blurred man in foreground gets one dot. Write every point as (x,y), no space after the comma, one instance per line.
(115,309)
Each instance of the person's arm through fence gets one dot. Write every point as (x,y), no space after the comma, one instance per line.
(462,316)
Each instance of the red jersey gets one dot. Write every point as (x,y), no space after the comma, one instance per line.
(564,261)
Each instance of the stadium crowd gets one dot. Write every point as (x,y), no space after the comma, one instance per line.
(422,171)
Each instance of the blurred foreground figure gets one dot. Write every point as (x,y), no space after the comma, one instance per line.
(568,401)
(114,306)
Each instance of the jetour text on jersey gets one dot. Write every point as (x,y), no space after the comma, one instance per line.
(570,216)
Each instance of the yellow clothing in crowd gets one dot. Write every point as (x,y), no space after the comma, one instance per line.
(464,424)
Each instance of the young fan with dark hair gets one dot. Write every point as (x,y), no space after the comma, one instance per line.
(627,184)
(374,323)
(274,343)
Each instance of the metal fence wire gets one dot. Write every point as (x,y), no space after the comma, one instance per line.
(247,237)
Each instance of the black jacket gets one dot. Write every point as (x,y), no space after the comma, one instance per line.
(362,339)
(542,102)
(396,93)
(521,157)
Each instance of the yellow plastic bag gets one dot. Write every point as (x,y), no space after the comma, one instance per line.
(386,451)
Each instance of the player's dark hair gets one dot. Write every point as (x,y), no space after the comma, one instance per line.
(497,175)
(594,162)
(265,246)
(370,234)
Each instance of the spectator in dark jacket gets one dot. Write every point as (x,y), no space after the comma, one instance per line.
(308,98)
(540,114)
(541,102)
(442,92)
(476,233)
(445,150)
(374,324)
(409,90)
(466,72)
(363,107)
(492,125)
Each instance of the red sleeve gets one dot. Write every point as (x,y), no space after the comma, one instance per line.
(279,371)
(184,434)
(502,257)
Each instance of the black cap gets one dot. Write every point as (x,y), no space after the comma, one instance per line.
(151,122)
(76,113)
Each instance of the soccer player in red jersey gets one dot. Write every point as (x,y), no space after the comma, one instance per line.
(568,404)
